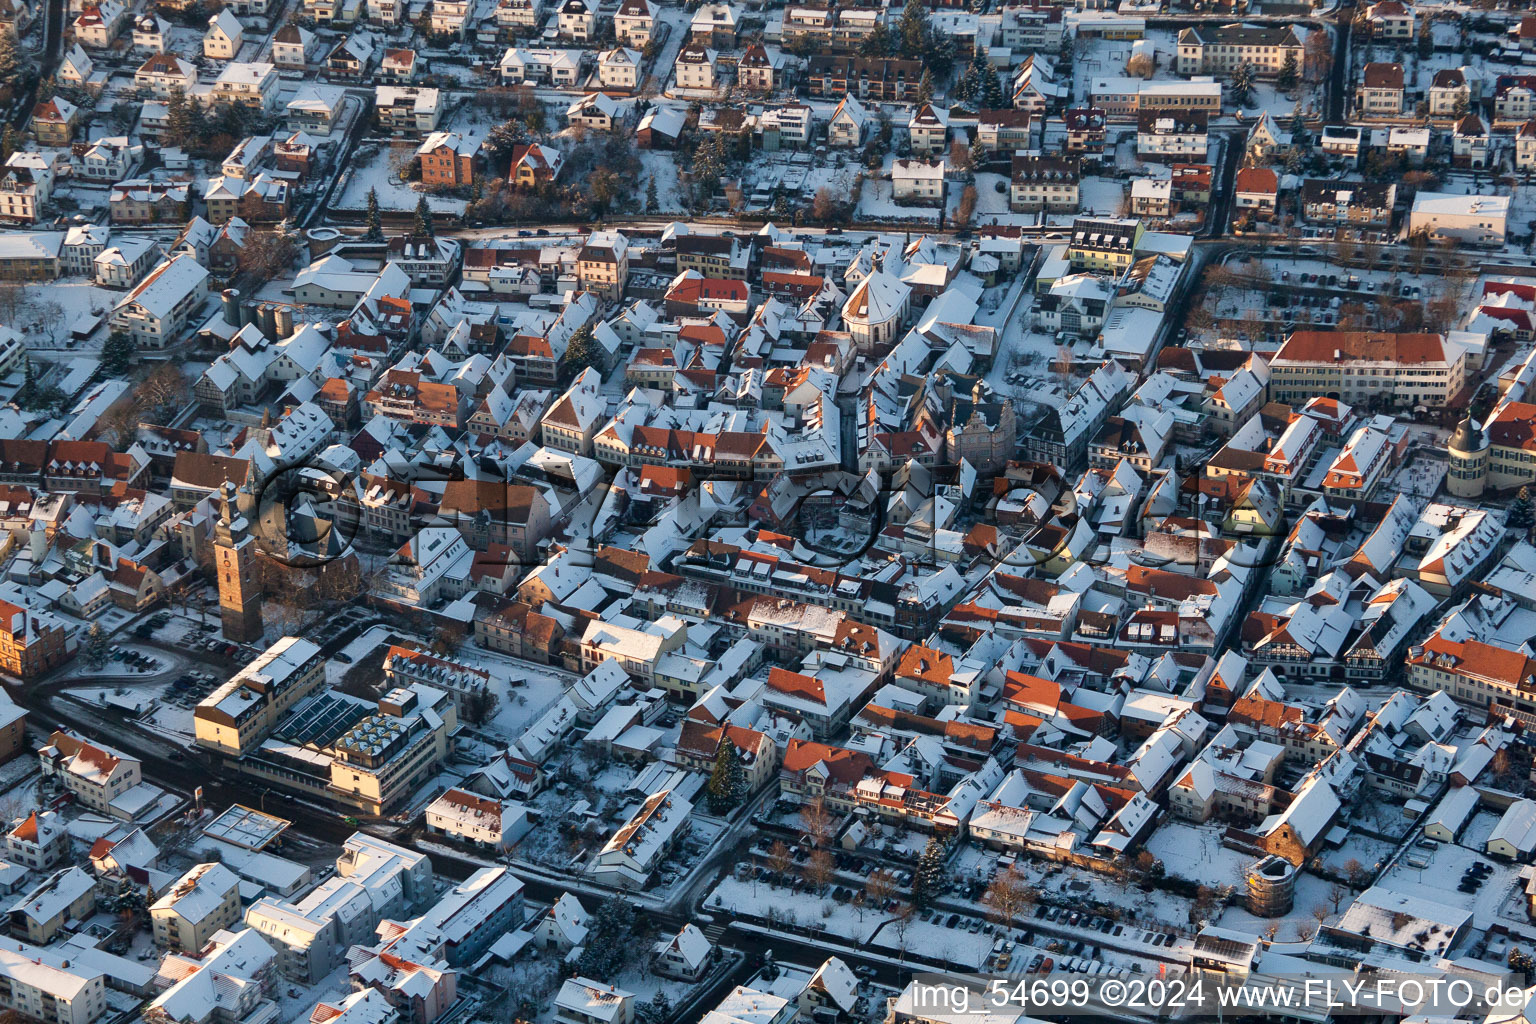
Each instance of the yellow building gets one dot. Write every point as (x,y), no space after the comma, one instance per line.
(204,900)
(602,266)
(1104,243)
(241,713)
(379,761)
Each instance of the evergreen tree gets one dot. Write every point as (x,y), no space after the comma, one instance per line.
(657,1011)
(1426,40)
(652,203)
(506,137)
(978,153)
(233,119)
(1301,139)
(95,648)
(581,350)
(117,354)
(372,218)
(782,211)
(913,30)
(877,43)
(7,142)
(727,782)
(991,89)
(422,227)
(1521,512)
(925,87)
(1290,72)
(928,879)
(1242,83)
(973,83)
(180,124)
(1066,56)
(609,939)
(15,65)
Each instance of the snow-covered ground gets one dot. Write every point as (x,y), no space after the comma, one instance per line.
(1194,852)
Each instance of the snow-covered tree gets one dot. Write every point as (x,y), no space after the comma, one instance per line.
(1290,72)
(928,879)
(372,218)
(1521,512)
(423,224)
(728,780)
(95,648)
(609,939)
(1242,83)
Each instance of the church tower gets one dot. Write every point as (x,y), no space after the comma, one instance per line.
(235,560)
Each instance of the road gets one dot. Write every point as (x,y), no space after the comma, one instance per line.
(1218,216)
(1339,77)
(47,61)
(168,763)
(354,134)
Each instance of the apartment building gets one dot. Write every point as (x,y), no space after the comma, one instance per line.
(1044,183)
(160,308)
(1360,367)
(96,774)
(1219,49)
(201,902)
(238,715)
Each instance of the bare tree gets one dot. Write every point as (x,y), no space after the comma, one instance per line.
(1008,896)
(824,206)
(816,821)
(340,582)
(967,208)
(1317,59)
(1258,273)
(1345,246)
(901,921)
(266,254)
(1062,364)
(1320,912)
(1370,253)
(779,858)
(282,613)
(164,391)
(878,887)
(1337,894)
(13,296)
(1199,321)
(818,869)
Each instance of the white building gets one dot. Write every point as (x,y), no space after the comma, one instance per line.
(478,820)
(877,310)
(1469,220)
(159,309)
(224,37)
(619,68)
(917,181)
(634,851)
(44,985)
